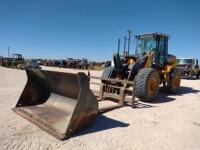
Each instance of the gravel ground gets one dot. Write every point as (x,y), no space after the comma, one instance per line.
(171,122)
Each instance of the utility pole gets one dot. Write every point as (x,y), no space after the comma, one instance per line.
(118,46)
(125,45)
(8,52)
(129,39)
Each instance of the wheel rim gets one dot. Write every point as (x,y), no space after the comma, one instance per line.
(153,85)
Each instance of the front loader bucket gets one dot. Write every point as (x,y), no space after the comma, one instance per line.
(59,103)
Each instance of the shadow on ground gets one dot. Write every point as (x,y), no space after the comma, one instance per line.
(139,104)
(163,96)
(102,123)
(187,90)
(183,90)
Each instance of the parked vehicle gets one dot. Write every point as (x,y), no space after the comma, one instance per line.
(83,64)
(13,62)
(189,68)
(30,65)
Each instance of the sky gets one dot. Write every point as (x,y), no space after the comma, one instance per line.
(58,29)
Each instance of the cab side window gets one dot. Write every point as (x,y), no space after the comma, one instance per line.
(162,52)
(162,46)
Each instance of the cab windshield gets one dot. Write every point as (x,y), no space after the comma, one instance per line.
(144,45)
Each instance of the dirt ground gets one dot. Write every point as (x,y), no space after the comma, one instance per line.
(171,122)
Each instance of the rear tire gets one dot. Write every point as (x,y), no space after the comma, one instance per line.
(108,72)
(174,83)
(146,84)
(191,73)
(197,73)
(197,76)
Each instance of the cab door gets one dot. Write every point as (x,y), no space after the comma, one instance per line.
(162,46)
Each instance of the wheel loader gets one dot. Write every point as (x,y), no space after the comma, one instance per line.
(63,103)
(149,67)
(188,67)
(14,62)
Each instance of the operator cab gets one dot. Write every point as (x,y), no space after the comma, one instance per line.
(17,56)
(156,42)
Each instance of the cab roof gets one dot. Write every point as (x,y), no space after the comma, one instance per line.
(154,33)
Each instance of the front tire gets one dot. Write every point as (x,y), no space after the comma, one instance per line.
(146,84)
(197,76)
(191,73)
(109,72)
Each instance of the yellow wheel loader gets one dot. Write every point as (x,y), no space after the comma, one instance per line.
(63,103)
(148,68)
